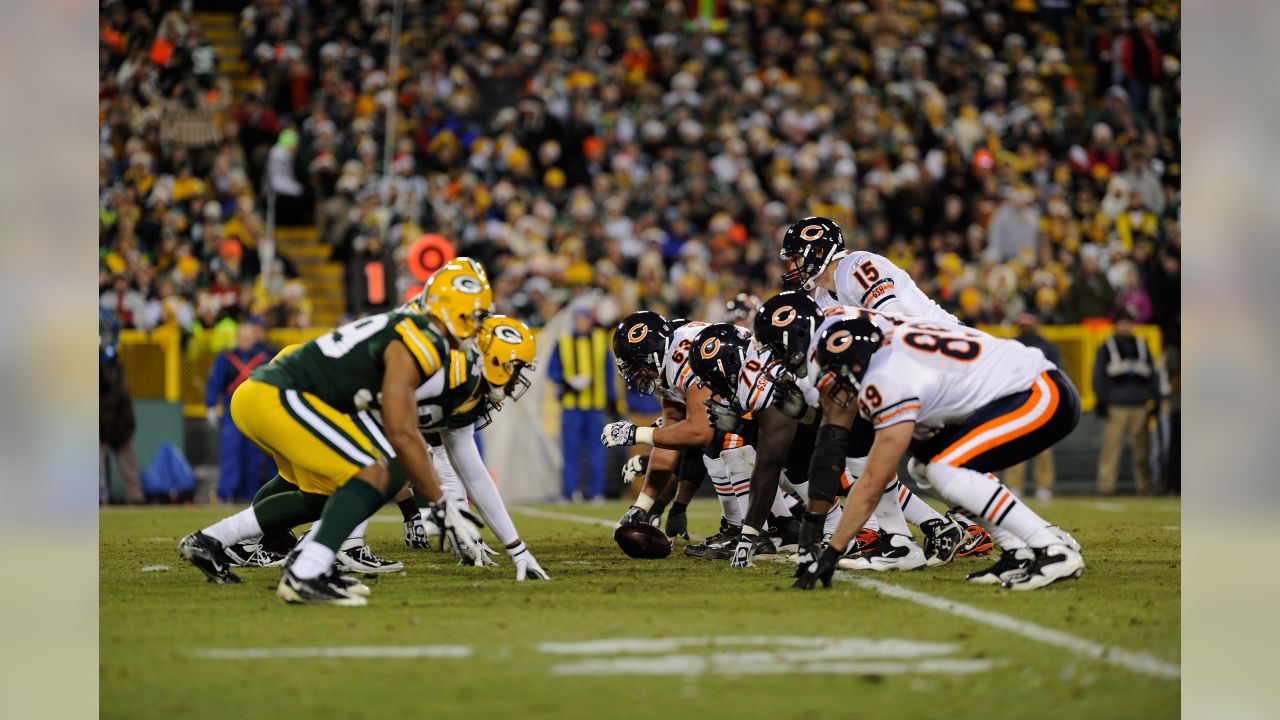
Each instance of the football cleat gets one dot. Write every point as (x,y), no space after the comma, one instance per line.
(889,552)
(208,556)
(1011,564)
(785,532)
(1065,538)
(942,539)
(718,546)
(327,589)
(1051,564)
(361,559)
(976,541)
(865,538)
(251,553)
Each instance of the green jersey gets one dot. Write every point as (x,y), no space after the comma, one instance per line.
(344,367)
(452,399)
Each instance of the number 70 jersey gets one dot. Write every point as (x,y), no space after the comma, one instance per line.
(937,374)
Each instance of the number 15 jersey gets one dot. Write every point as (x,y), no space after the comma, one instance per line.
(870,281)
(938,375)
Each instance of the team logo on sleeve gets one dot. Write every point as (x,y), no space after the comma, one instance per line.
(710,348)
(783,316)
(637,332)
(467,284)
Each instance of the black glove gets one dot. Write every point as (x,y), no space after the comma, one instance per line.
(722,417)
(822,569)
(634,516)
(1101,409)
(789,398)
(678,521)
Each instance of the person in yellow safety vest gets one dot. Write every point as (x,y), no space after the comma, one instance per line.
(582,368)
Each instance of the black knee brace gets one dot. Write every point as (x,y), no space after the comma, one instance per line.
(827,465)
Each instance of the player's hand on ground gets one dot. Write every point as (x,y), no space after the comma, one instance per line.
(809,574)
(461,534)
(742,552)
(618,434)
(527,567)
(417,536)
(678,523)
(635,467)
(633,516)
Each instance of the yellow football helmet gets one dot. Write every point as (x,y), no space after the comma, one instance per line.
(458,295)
(507,349)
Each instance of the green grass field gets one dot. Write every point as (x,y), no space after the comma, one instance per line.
(740,645)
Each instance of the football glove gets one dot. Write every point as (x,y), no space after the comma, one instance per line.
(789,398)
(742,551)
(636,467)
(808,574)
(618,434)
(417,536)
(722,417)
(677,521)
(636,515)
(527,566)
(461,534)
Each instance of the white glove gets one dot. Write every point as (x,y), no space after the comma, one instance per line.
(417,535)
(743,551)
(461,533)
(918,472)
(527,566)
(579,382)
(211,415)
(617,434)
(487,555)
(634,468)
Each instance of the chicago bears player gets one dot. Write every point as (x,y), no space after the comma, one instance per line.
(964,404)
(819,263)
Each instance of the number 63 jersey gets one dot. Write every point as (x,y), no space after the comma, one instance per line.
(938,375)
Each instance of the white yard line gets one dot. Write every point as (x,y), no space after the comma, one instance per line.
(350,651)
(1139,662)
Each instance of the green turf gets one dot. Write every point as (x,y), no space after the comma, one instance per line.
(152,621)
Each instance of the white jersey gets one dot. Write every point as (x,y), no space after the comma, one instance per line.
(834,314)
(675,374)
(867,280)
(938,375)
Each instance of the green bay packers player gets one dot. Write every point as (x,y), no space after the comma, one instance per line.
(300,409)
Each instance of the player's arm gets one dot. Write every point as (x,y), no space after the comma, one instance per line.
(400,419)
(776,432)
(659,475)
(882,465)
(692,430)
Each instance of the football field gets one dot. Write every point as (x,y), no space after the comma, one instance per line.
(611,637)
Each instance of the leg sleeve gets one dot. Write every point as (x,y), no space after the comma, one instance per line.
(465,457)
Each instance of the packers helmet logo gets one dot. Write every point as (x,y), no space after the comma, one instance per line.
(508,334)
(812,232)
(467,284)
(709,348)
(783,316)
(637,332)
(839,341)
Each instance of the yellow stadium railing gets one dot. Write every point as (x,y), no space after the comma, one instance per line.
(157,367)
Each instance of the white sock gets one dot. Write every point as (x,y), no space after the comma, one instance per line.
(1005,539)
(780,505)
(450,483)
(915,510)
(313,561)
(231,530)
(730,509)
(801,489)
(995,504)
(356,538)
(833,519)
(888,512)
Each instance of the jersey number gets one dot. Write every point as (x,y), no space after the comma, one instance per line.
(949,344)
(340,341)
(678,355)
(866,275)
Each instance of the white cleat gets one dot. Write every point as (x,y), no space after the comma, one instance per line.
(890,552)
(1051,564)
(1011,564)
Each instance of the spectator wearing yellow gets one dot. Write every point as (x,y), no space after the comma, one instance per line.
(582,368)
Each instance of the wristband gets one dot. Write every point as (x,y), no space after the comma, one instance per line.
(644,502)
(644,436)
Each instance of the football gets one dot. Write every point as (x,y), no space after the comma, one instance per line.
(642,541)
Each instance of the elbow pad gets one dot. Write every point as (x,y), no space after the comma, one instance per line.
(828,462)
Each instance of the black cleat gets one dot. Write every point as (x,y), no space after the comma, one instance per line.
(1012,563)
(785,532)
(327,589)
(207,554)
(942,539)
(252,553)
(719,546)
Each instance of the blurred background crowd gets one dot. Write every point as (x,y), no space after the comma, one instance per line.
(1013,155)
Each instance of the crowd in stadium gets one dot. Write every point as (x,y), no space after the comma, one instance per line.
(1009,156)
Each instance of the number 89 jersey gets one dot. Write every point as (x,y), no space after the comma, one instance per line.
(937,375)
(676,373)
(344,367)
